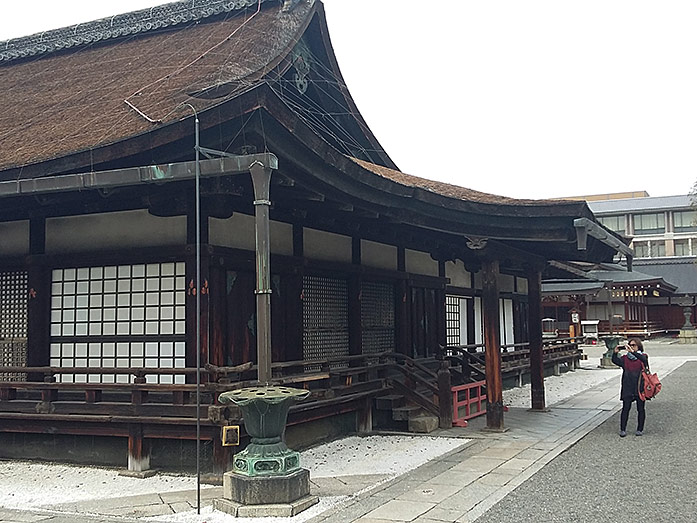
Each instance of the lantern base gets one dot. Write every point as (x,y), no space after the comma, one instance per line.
(277,496)
(278,510)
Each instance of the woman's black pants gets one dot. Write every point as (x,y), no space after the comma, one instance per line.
(626,407)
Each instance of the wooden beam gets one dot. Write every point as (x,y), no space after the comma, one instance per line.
(354,315)
(490,311)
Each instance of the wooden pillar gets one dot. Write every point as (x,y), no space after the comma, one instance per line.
(298,240)
(222,456)
(354,315)
(217,298)
(191,290)
(402,331)
(294,317)
(39,299)
(354,302)
(537,381)
(445,396)
(294,304)
(441,320)
(628,312)
(138,449)
(490,311)
(471,327)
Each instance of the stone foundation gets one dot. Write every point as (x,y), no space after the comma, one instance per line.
(266,496)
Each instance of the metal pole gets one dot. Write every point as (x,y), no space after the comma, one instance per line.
(198,324)
(609,309)
(261,178)
(198,311)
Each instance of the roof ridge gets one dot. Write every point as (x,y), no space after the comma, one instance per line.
(134,22)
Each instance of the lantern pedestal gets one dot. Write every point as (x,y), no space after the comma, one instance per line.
(688,333)
(266,479)
(266,496)
(610,342)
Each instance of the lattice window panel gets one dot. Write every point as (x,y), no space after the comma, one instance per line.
(119,316)
(13,323)
(377,317)
(148,355)
(325,318)
(452,320)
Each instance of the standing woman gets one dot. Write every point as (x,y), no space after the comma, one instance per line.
(631,364)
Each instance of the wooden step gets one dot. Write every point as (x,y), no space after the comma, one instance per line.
(389,401)
(362,386)
(406,412)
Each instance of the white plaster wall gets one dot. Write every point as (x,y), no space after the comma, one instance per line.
(114,230)
(459,277)
(238,232)
(522,285)
(506,282)
(478,280)
(506,321)
(14,238)
(598,311)
(418,262)
(464,327)
(378,255)
(478,321)
(326,246)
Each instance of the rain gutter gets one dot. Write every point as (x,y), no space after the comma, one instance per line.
(150,174)
(586,227)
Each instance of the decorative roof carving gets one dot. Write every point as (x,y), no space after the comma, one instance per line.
(142,21)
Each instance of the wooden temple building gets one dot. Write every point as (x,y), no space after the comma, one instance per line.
(620,300)
(379,279)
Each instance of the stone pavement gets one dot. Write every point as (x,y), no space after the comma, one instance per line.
(457,487)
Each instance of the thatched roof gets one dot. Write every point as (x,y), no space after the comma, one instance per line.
(72,95)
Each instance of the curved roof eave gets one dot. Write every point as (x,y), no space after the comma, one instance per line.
(334,64)
(438,195)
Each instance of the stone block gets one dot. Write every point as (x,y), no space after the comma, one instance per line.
(265,490)
(423,424)
(277,510)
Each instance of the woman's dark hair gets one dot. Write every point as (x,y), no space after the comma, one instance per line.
(637,341)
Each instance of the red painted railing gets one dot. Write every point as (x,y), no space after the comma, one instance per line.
(474,395)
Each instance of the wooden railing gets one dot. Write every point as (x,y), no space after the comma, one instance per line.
(632,327)
(468,360)
(469,401)
(327,379)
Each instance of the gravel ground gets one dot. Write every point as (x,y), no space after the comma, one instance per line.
(32,484)
(605,478)
(558,388)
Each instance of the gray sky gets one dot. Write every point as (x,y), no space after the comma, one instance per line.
(529,99)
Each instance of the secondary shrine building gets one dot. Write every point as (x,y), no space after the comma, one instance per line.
(375,273)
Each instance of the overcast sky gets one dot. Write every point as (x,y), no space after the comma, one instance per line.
(525,98)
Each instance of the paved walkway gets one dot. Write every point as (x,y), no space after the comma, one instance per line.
(463,485)
(457,487)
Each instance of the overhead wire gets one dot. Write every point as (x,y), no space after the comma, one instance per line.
(198,58)
(324,81)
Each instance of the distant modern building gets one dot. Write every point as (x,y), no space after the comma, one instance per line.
(663,234)
(658,226)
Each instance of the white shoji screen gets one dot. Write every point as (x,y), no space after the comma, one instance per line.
(119,316)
